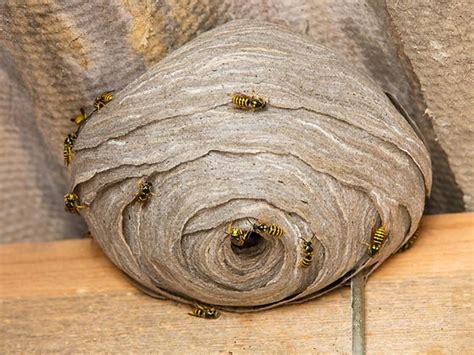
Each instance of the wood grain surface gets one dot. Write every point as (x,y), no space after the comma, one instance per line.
(67,297)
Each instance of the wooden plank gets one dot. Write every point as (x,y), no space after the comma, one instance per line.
(67,297)
(422,299)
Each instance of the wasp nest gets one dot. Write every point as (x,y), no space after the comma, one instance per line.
(329,160)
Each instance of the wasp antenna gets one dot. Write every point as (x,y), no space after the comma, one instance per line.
(251,223)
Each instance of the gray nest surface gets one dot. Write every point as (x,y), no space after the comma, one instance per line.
(330,159)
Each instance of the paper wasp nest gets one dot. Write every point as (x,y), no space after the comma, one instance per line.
(330,159)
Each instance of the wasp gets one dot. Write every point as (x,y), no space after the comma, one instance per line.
(378,239)
(251,103)
(80,117)
(270,229)
(145,190)
(202,311)
(410,241)
(238,236)
(307,253)
(71,202)
(103,99)
(68,144)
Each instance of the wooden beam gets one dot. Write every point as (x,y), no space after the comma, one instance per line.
(67,297)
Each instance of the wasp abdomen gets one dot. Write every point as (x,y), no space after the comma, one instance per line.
(377,240)
(307,253)
(307,259)
(240,100)
(80,118)
(270,229)
(275,230)
(246,102)
(68,144)
(410,241)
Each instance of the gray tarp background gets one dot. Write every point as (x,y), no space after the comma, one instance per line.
(57,56)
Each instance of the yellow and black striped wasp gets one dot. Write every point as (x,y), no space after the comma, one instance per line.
(145,191)
(206,312)
(72,203)
(308,249)
(67,149)
(81,117)
(238,236)
(408,244)
(270,229)
(377,240)
(251,103)
(103,99)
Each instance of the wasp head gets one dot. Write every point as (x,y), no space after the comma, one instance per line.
(373,250)
(258,103)
(71,137)
(146,188)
